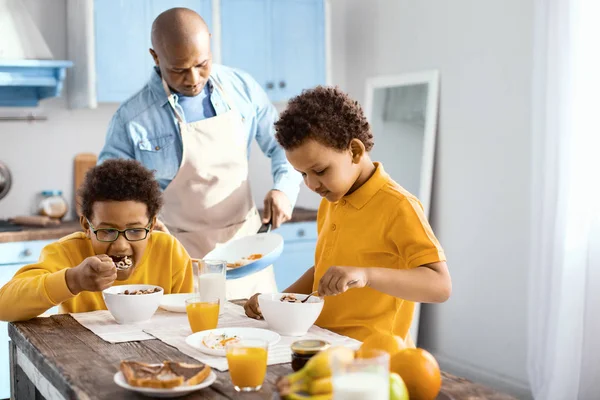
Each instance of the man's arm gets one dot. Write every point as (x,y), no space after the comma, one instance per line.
(118,143)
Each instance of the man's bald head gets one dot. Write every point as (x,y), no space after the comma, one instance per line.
(177,26)
(181,50)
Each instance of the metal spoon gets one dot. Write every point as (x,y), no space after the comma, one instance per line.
(308,297)
(352,282)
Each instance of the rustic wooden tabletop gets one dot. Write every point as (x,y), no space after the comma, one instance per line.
(60,353)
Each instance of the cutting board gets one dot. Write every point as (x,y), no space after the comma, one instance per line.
(83,163)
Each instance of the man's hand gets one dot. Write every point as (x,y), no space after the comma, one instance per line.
(160,226)
(278,208)
(94,274)
(337,280)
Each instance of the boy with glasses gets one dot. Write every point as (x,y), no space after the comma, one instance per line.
(120,200)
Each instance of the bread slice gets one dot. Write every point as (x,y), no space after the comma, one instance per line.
(167,375)
(193,374)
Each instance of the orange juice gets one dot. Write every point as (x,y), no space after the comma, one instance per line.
(247,366)
(202,316)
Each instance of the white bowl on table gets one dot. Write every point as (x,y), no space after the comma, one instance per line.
(131,308)
(289,319)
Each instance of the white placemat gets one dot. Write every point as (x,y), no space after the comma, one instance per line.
(104,325)
(174,328)
(235,317)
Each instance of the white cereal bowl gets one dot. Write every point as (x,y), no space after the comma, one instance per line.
(289,319)
(128,309)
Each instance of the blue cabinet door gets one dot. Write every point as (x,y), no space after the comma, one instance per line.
(298,255)
(122,56)
(14,256)
(298,46)
(245,38)
(281,43)
(122,35)
(296,258)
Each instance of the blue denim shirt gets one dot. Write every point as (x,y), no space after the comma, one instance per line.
(145,128)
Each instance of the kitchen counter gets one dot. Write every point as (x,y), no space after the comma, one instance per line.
(66,228)
(37,233)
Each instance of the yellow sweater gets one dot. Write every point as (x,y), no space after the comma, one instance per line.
(38,287)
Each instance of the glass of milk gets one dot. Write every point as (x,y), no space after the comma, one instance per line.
(364,378)
(209,279)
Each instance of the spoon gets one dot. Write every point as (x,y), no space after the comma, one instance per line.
(308,297)
(352,282)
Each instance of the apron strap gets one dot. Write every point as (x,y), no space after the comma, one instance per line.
(223,93)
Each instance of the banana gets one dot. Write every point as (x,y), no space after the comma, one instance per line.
(297,396)
(312,386)
(320,386)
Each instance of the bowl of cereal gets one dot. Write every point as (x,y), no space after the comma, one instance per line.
(287,315)
(132,303)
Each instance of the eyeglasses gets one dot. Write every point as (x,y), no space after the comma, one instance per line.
(112,234)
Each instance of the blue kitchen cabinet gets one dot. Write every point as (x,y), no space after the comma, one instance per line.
(13,256)
(298,46)
(122,40)
(300,240)
(245,36)
(281,43)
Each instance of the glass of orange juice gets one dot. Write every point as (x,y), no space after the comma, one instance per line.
(203,313)
(247,360)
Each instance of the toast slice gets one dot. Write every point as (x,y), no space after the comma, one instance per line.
(192,374)
(167,375)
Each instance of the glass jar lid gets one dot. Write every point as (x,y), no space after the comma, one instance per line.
(309,347)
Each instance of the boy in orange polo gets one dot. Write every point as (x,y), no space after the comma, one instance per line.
(120,201)
(376,253)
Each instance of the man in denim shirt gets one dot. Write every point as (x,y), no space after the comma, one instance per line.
(193,123)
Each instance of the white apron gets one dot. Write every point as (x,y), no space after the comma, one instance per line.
(209,202)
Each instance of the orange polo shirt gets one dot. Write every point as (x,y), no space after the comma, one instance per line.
(379,225)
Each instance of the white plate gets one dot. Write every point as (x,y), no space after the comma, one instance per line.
(270,245)
(195,339)
(175,302)
(165,393)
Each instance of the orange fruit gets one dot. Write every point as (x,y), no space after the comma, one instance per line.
(420,371)
(387,342)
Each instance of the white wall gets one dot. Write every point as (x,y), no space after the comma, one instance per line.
(40,155)
(483,50)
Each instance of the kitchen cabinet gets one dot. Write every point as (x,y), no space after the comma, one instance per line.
(122,39)
(13,256)
(300,240)
(281,43)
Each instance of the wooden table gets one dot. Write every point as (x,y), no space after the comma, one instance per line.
(57,358)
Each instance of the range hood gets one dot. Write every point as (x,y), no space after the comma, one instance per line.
(28,72)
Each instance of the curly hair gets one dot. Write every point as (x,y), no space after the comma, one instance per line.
(325,114)
(120,180)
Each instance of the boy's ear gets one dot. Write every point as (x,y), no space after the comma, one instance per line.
(85,225)
(357,149)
